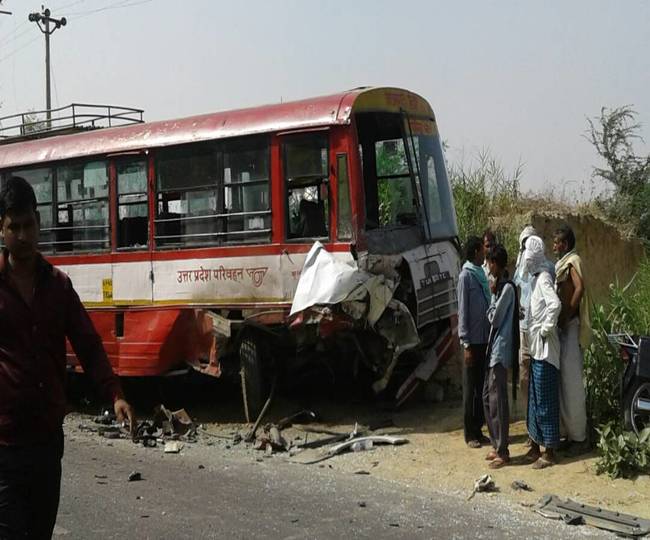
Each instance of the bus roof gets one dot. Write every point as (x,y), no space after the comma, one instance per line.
(321,111)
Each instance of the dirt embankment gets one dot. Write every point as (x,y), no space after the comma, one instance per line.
(608,256)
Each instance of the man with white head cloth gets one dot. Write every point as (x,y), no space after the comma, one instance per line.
(543,419)
(523,280)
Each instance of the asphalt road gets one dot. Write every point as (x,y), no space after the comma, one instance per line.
(207,492)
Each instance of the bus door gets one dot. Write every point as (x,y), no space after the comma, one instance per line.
(132,265)
(305,165)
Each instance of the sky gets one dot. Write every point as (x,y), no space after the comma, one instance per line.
(516,78)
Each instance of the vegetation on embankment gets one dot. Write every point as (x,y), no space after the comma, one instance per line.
(488,196)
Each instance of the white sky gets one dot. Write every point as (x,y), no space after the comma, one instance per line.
(516,77)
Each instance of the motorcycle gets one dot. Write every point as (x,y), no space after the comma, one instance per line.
(635,383)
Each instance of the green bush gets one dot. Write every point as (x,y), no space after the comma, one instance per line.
(602,369)
(623,454)
(627,311)
(483,191)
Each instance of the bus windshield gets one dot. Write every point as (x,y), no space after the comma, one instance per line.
(405,178)
(430,173)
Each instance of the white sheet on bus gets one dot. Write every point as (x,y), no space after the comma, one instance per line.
(324,280)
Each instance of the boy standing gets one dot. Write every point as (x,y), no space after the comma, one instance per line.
(502,351)
(473,331)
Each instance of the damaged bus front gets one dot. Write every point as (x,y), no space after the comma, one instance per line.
(398,297)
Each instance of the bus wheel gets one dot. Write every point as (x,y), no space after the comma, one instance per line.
(253,383)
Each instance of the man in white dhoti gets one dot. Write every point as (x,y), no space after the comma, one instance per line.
(575,336)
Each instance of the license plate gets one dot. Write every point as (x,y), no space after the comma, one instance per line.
(435,278)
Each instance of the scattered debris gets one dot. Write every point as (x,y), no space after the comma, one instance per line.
(362,504)
(250,436)
(101,476)
(106,418)
(520,485)
(363,441)
(361,472)
(109,432)
(174,423)
(301,416)
(483,484)
(575,513)
(367,442)
(173,447)
(201,466)
(135,476)
(361,446)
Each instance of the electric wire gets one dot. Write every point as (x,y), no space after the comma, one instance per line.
(56,92)
(117,5)
(10,36)
(66,6)
(18,49)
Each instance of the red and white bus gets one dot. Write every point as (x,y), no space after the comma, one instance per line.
(186,238)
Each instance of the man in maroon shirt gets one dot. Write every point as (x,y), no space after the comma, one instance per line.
(39,308)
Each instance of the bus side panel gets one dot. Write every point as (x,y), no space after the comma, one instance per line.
(154,341)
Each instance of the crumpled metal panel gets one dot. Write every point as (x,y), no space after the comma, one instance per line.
(572,512)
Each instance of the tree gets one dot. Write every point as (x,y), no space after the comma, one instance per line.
(613,134)
(32,124)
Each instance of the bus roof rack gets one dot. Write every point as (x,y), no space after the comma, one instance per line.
(69,119)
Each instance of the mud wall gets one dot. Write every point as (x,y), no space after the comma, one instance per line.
(608,257)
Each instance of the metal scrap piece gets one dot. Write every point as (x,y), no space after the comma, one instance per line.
(483,484)
(374,439)
(553,507)
(173,447)
(518,485)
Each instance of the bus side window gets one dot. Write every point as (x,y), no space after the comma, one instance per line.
(42,180)
(306,174)
(132,207)
(82,207)
(187,184)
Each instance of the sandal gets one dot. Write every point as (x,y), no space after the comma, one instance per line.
(491,455)
(474,444)
(498,462)
(532,456)
(542,463)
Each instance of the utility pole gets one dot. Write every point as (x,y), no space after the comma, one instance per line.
(43,21)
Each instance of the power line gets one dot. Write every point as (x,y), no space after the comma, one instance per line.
(66,6)
(3,58)
(56,92)
(118,5)
(9,36)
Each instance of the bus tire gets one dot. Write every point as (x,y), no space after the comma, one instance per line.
(253,383)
